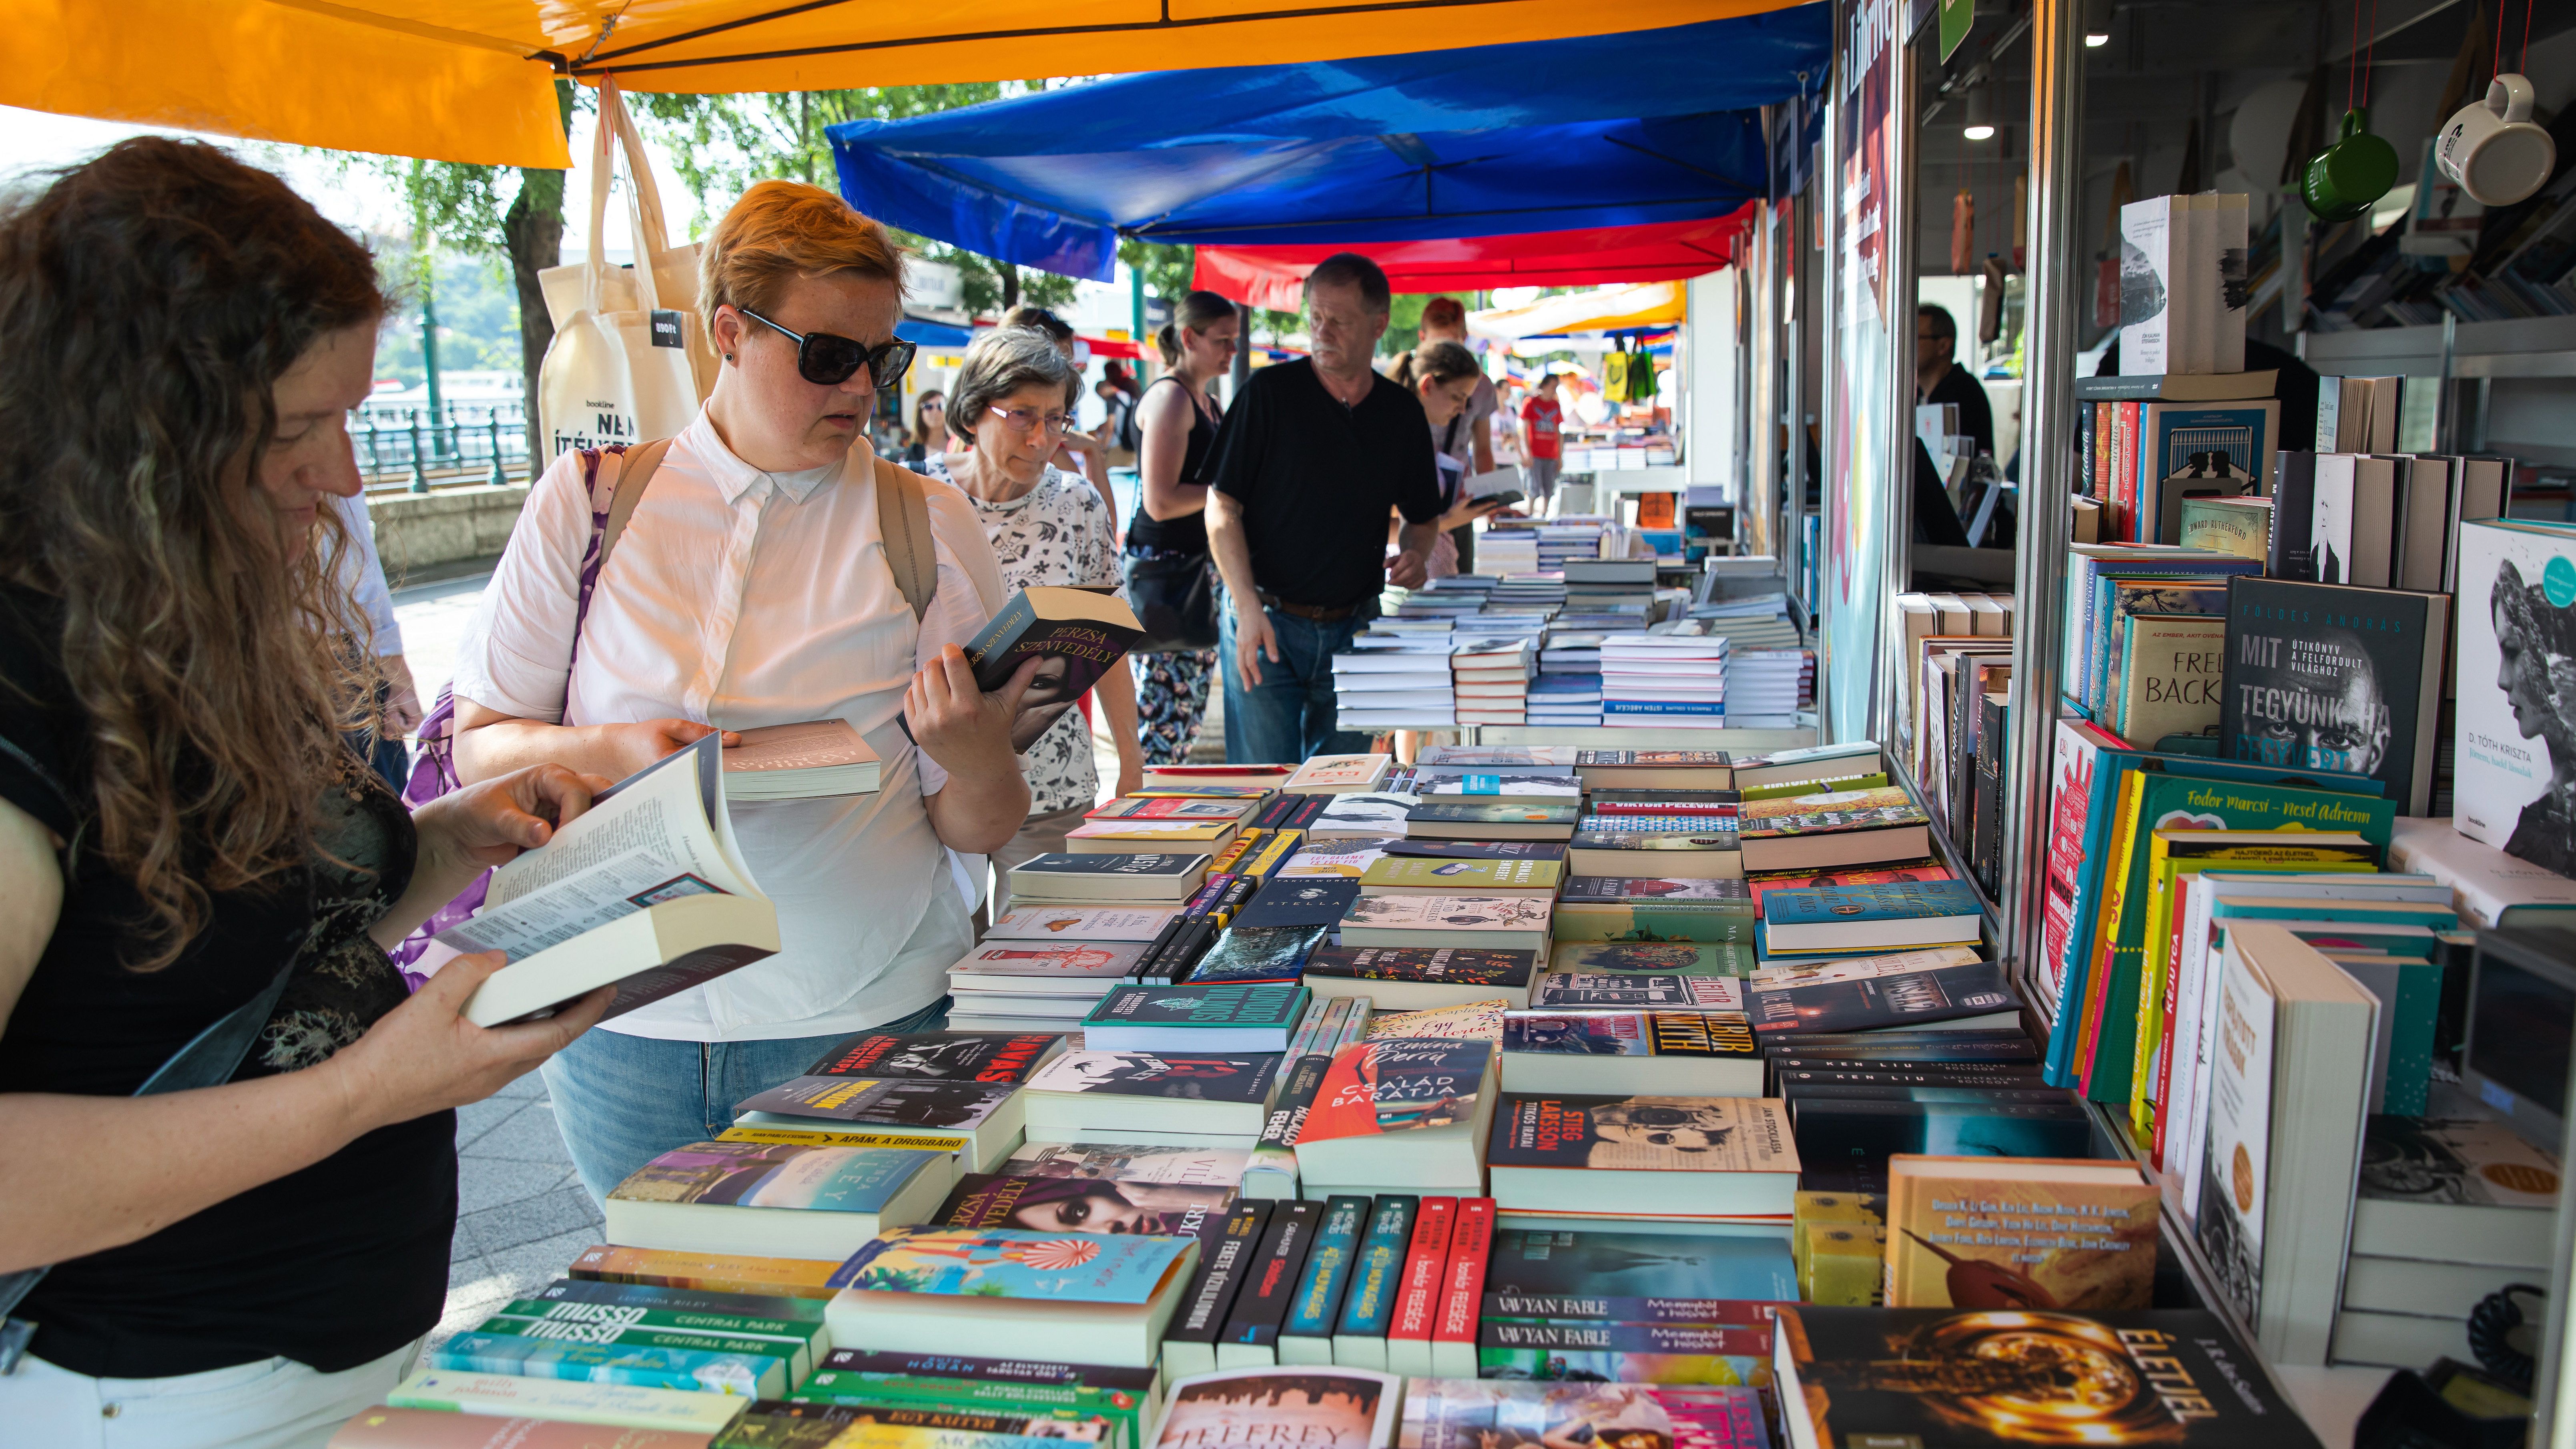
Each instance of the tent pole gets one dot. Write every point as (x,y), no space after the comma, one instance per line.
(1242,371)
(1897,246)
(2047,451)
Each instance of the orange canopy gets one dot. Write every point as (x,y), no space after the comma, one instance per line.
(470,80)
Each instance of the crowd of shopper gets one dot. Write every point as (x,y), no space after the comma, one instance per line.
(196,661)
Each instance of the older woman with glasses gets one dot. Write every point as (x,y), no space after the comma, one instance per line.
(1012,403)
(753,586)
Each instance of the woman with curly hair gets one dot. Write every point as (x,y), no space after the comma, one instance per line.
(201,876)
(2536,669)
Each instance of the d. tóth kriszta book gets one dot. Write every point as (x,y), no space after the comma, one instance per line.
(1968,1377)
(1635,1277)
(1077,632)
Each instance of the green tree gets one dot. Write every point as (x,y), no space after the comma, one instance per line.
(495,211)
(721,144)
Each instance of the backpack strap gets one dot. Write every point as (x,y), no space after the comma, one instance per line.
(903,517)
(632,479)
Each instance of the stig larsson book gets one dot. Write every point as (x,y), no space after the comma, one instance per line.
(2334,679)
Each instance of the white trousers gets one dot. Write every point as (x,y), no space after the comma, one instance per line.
(272,1404)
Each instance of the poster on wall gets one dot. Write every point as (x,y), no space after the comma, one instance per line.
(1856,465)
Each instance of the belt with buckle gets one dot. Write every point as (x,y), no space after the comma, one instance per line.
(1315,612)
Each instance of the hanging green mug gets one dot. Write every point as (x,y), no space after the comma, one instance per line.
(2346,179)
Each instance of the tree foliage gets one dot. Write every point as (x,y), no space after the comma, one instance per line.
(721,144)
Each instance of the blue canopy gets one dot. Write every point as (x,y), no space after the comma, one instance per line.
(1608,130)
(923,332)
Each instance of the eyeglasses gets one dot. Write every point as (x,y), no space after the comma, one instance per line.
(828,361)
(1022,420)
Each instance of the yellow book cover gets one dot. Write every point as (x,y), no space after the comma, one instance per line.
(1841,1264)
(2019,1233)
(2106,927)
(1264,856)
(2172,857)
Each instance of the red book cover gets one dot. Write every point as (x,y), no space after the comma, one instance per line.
(1463,1281)
(2138,529)
(1418,1302)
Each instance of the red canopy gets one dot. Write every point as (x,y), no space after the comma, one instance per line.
(1274,276)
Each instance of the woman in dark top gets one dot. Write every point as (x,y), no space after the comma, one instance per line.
(929,428)
(180,822)
(1176,430)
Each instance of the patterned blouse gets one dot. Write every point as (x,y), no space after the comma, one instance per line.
(1059,533)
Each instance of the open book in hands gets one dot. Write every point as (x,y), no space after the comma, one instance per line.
(647,891)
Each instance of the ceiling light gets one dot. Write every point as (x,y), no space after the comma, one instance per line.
(1981,115)
(2097,24)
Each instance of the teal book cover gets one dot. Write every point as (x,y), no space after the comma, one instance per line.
(1379,1269)
(1327,1279)
(1258,1004)
(1889,901)
(689,1370)
(2191,802)
(1623,1265)
(1016,1263)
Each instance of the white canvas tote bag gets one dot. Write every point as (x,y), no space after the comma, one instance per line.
(630,360)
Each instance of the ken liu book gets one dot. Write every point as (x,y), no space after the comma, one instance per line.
(1075,634)
(1490,819)
(1626,1271)
(1843,918)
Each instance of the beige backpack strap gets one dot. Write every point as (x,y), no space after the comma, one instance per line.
(634,475)
(903,517)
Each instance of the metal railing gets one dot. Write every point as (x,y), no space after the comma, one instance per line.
(459,443)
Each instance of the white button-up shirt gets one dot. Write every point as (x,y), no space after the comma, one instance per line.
(741,598)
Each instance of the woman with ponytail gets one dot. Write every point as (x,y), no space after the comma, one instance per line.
(1444,376)
(1169,578)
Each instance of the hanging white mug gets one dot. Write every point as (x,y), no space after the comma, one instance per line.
(2493,149)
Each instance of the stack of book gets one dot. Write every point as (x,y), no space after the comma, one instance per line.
(1663,681)
(1492,678)
(1395,680)
(1400,1120)
(1610,586)
(1507,551)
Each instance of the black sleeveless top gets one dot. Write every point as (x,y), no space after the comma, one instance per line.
(1187,533)
(331,1265)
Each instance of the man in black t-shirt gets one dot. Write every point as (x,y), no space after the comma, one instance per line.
(1314,455)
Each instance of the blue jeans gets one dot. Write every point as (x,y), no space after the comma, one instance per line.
(624,1100)
(1288,716)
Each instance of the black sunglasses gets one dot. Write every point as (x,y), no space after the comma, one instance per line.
(827,360)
